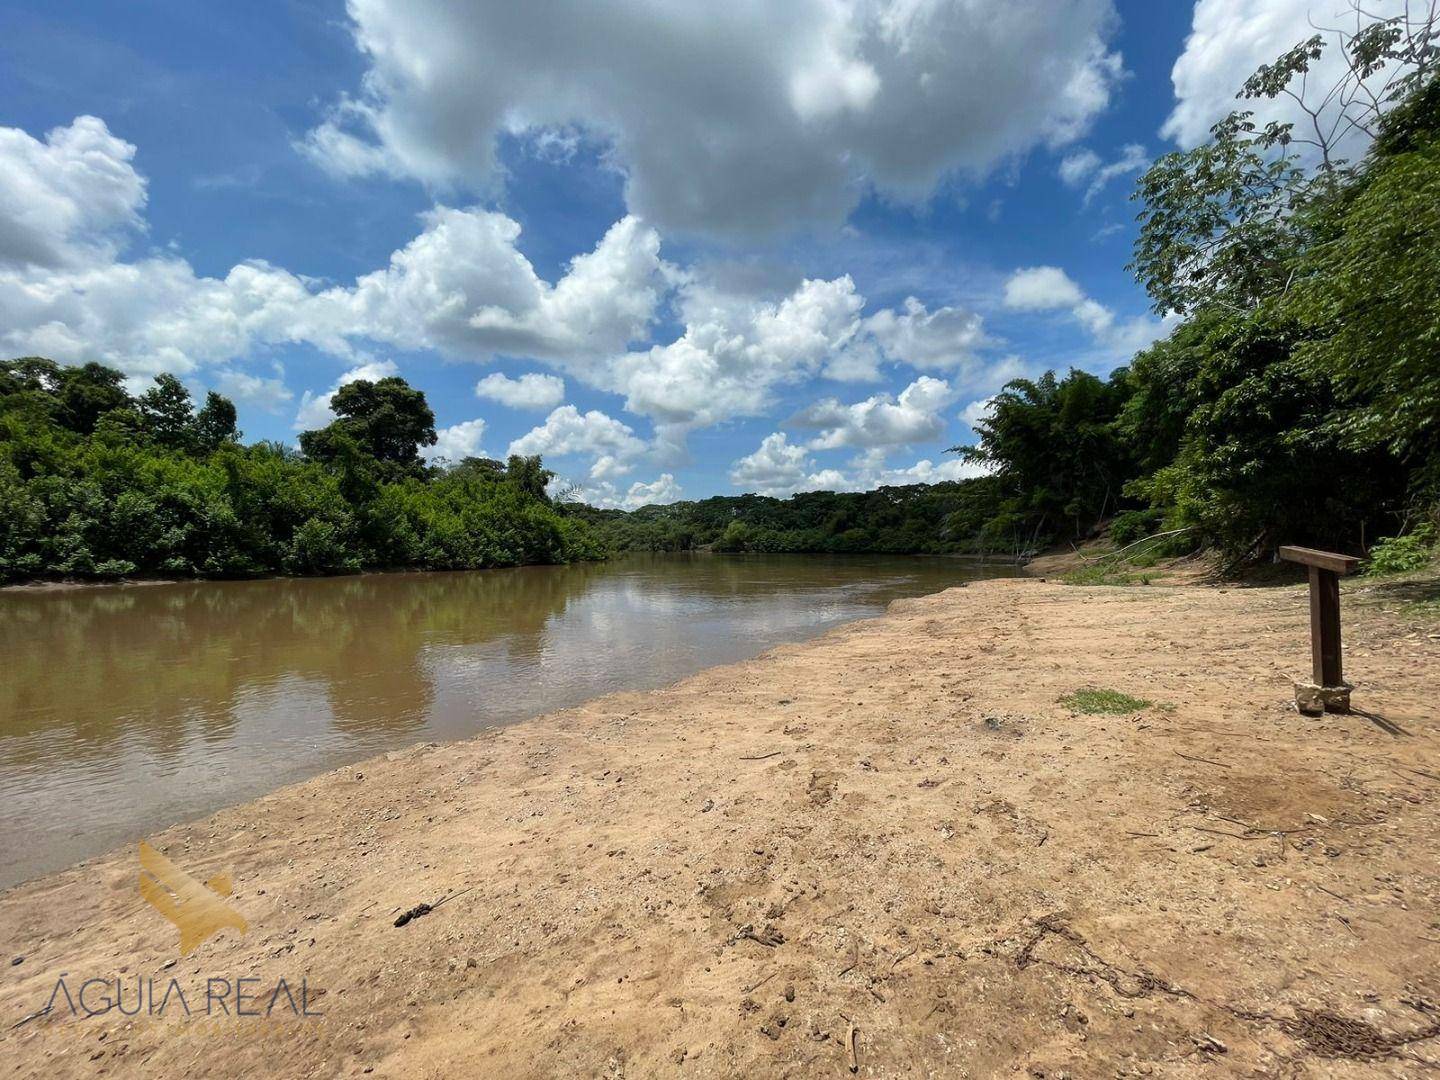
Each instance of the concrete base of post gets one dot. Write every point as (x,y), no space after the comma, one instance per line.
(1314,700)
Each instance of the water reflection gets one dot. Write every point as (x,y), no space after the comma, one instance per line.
(124,709)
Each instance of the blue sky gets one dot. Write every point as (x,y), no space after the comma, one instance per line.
(816,235)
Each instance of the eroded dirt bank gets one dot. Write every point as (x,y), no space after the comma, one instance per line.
(897,827)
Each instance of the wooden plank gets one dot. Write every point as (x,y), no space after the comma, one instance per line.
(1325,560)
(1325,627)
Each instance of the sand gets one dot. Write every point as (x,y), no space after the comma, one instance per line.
(894,839)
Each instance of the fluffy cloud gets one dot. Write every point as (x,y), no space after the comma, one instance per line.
(732,117)
(776,467)
(940,340)
(880,420)
(1230,39)
(529,391)
(1041,288)
(456,442)
(463,287)
(663,489)
(68,201)
(268,394)
(1049,288)
(613,445)
(1086,167)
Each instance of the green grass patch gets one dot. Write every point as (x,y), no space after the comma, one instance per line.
(1094,700)
(1105,573)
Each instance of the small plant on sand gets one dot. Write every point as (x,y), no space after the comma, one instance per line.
(1091,699)
(1105,573)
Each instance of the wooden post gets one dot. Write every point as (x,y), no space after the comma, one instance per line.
(1329,691)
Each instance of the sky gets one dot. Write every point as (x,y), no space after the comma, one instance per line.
(679,248)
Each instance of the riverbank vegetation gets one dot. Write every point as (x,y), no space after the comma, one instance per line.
(1298,398)
(98,483)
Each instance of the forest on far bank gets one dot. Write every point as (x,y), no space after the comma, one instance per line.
(98,483)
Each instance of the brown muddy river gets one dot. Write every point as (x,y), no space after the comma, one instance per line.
(127,708)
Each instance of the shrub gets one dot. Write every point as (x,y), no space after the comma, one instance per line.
(1403,554)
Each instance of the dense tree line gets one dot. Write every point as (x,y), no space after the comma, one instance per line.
(902,520)
(96,482)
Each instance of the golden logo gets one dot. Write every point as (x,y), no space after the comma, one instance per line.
(198,909)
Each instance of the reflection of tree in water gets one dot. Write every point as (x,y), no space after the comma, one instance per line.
(167,663)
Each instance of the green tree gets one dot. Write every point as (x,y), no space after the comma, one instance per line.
(85,394)
(215,423)
(387,420)
(167,414)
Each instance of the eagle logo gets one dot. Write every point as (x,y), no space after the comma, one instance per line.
(198,909)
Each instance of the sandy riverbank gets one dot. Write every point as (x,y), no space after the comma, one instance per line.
(896,826)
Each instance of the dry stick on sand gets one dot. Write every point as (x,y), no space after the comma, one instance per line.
(756,986)
(850,1045)
(1206,760)
(425,909)
(761,757)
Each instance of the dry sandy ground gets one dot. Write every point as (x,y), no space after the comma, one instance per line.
(896,828)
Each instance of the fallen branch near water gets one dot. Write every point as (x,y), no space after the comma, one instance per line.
(425,909)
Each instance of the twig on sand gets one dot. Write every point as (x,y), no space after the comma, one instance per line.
(425,909)
(1419,772)
(1337,896)
(33,1016)
(1206,760)
(850,1046)
(761,757)
(756,986)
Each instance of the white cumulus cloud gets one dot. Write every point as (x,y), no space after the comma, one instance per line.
(613,445)
(70,200)
(1049,288)
(880,420)
(529,391)
(739,117)
(456,442)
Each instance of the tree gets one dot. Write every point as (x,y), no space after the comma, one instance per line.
(1053,447)
(1223,223)
(215,423)
(529,475)
(87,393)
(1371,295)
(167,413)
(387,420)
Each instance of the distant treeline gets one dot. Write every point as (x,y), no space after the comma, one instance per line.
(97,483)
(918,519)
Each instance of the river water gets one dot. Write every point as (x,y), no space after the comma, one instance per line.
(127,708)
